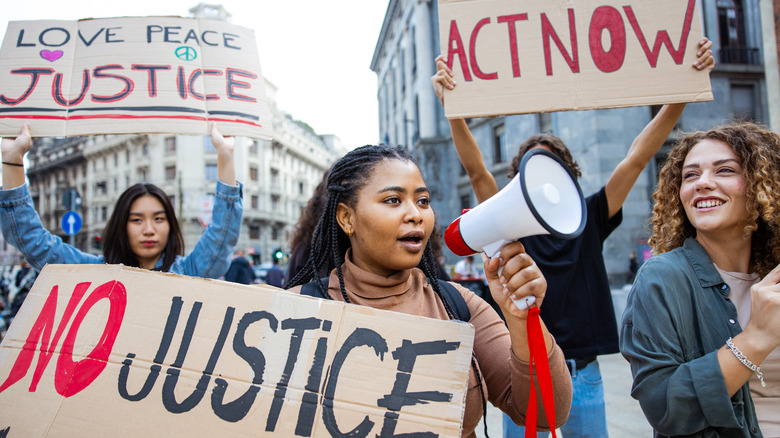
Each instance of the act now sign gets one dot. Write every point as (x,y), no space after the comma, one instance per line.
(106,350)
(131,75)
(514,57)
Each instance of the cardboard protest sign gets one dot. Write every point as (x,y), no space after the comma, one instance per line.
(131,75)
(523,56)
(108,350)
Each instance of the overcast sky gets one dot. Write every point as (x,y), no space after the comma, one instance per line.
(318,53)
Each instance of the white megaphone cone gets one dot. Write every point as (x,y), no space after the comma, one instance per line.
(543,198)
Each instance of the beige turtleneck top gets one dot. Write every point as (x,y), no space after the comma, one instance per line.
(505,378)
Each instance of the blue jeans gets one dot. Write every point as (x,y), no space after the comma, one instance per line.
(587,418)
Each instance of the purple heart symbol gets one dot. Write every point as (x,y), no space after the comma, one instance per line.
(51,56)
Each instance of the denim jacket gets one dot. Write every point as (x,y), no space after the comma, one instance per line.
(22,228)
(676,318)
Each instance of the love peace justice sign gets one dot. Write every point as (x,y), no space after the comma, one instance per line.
(131,75)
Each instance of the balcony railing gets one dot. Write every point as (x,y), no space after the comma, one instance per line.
(740,55)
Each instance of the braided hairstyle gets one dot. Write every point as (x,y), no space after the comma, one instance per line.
(329,242)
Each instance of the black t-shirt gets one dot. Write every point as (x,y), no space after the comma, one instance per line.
(577,308)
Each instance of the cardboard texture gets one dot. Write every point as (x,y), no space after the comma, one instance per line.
(523,56)
(110,350)
(131,75)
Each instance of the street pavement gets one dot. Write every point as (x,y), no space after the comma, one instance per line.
(624,416)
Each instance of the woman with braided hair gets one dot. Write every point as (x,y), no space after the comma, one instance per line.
(700,321)
(373,237)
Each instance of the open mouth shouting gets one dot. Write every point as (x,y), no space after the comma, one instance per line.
(413,240)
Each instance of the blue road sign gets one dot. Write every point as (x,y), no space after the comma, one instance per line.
(71,223)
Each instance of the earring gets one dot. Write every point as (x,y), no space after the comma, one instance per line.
(350,233)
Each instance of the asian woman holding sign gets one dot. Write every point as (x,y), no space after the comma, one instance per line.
(142,230)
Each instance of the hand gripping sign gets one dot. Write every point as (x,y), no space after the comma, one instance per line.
(131,75)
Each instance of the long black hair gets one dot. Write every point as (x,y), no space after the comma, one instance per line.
(116,245)
(329,242)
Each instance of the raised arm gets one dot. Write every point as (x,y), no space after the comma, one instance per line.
(482,181)
(13,156)
(649,141)
(226,169)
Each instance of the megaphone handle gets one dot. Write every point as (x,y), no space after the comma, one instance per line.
(493,250)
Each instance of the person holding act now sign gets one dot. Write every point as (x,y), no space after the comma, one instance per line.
(578,307)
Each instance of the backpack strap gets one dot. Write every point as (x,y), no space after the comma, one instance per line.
(310,289)
(455,300)
(449,293)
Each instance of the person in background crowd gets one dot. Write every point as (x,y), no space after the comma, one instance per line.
(633,267)
(142,231)
(703,316)
(275,275)
(579,307)
(375,232)
(240,271)
(465,268)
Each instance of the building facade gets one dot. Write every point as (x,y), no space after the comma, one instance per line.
(410,114)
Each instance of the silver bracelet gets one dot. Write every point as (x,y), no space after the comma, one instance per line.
(745,361)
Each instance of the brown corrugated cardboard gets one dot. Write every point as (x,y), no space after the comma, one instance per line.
(110,350)
(131,75)
(514,57)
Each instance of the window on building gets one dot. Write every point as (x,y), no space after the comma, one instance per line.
(116,160)
(545,123)
(101,188)
(170,145)
(731,30)
(274,233)
(254,231)
(254,147)
(170,173)
(211,172)
(145,149)
(413,50)
(275,203)
(402,68)
(127,155)
(142,174)
(465,202)
(104,213)
(208,146)
(253,173)
(255,202)
(743,101)
(499,143)
(274,176)
(300,188)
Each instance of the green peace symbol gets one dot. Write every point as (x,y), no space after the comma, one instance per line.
(186,53)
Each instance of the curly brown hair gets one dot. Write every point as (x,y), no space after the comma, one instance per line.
(758,150)
(556,145)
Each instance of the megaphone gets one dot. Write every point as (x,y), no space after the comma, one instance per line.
(543,198)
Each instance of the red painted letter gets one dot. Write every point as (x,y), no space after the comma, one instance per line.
(510,20)
(662,38)
(607,17)
(473,51)
(71,377)
(41,330)
(548,32)
(460,51)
